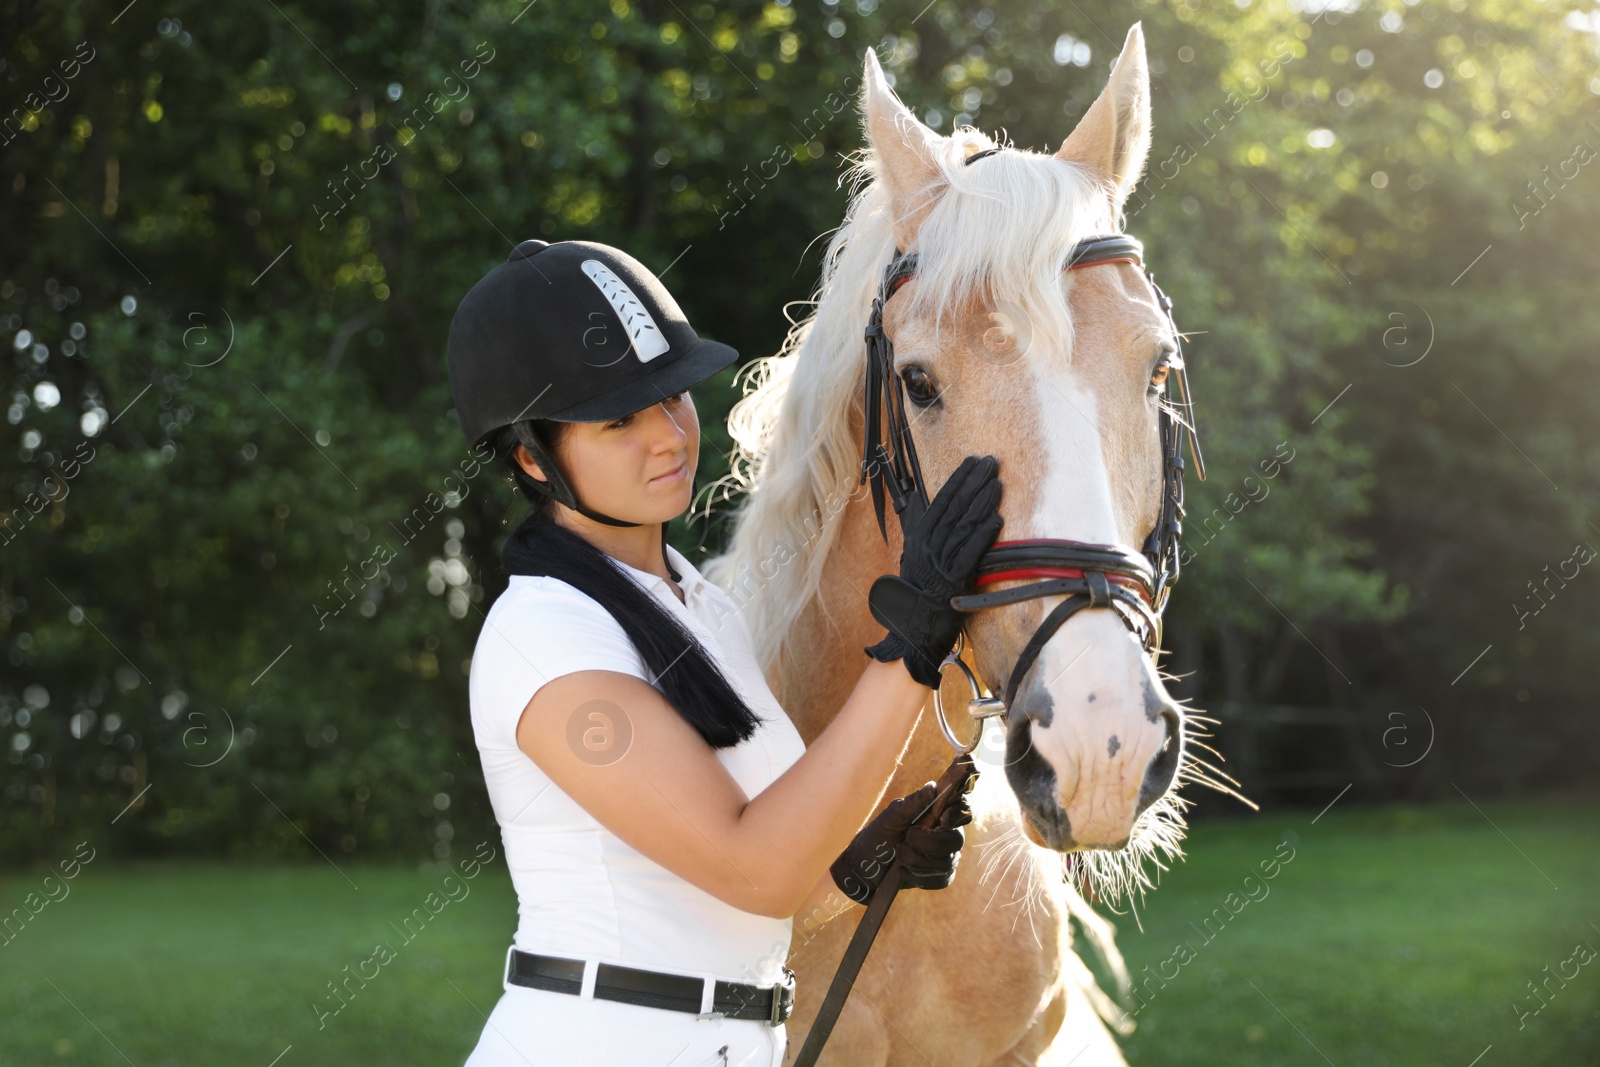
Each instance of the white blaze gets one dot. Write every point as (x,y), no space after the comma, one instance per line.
(1097,735)
(1074,496)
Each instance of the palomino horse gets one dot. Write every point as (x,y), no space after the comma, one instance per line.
(1054,373)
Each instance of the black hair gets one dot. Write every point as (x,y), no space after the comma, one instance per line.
(684,670)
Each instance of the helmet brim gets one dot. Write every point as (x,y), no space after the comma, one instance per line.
(702,361)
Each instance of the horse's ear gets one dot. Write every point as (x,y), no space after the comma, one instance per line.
(907,152)
(1112,139)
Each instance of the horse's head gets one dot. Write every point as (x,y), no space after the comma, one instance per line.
(1058,374)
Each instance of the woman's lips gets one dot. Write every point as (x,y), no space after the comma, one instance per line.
(672,475)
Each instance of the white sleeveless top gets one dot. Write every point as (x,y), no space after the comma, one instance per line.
(581,890)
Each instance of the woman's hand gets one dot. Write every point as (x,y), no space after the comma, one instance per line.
(928,855)
(943,544)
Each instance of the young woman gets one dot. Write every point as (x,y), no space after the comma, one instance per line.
(663,822)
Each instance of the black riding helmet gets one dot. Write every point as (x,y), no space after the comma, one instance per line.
(572,332)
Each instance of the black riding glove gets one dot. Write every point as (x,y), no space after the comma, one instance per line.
(943,544)
(928,854)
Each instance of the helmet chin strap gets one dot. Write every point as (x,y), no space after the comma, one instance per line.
(556,484)
(557,487)
(676,577)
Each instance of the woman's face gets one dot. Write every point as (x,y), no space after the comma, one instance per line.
(639,468)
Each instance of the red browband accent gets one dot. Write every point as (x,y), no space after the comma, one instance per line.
(1048,541)
(1060,572)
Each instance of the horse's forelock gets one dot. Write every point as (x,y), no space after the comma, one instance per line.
(1001,230)
(1003,225)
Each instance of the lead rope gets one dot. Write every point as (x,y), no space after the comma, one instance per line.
(958,778)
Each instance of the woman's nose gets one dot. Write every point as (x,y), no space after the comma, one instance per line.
(675,427)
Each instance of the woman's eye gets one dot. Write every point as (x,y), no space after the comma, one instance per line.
(674,399)
(919,386)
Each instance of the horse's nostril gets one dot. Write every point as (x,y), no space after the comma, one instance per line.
(1164,766)
(1037,706)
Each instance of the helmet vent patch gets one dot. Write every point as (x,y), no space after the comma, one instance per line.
(648,341)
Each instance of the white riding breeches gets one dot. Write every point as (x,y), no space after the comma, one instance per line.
(538,1028)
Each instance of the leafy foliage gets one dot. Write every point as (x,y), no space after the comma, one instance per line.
(247,552)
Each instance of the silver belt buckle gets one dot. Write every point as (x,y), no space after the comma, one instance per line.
(786,985)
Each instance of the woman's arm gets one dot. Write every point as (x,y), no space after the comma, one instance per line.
(825,904)
(670,797)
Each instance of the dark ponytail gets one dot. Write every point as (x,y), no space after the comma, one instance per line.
(685,672)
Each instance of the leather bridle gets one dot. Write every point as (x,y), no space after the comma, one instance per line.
(1135,584)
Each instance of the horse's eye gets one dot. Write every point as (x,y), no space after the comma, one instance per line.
(919,386)
(1167,357)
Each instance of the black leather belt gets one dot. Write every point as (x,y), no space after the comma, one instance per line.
(654,989)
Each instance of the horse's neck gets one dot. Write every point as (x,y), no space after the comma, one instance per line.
(823,654)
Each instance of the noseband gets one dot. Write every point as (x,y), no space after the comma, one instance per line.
(1134,584)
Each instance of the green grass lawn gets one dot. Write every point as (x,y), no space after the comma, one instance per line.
(1393,936)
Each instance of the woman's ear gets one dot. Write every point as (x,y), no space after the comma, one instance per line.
(526,461)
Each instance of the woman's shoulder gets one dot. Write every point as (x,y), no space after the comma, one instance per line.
(523,589)
(539,603)
(539,629)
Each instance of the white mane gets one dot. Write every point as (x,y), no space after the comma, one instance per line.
(1001,226)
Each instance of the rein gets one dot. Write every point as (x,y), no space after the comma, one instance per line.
(1133,584)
